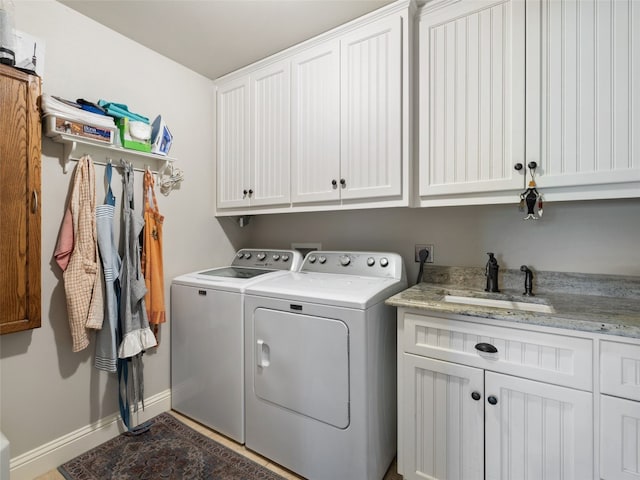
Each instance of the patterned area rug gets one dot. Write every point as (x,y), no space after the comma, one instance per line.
(169,450)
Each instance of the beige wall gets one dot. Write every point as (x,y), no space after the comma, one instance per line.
(47,391)
(587,237)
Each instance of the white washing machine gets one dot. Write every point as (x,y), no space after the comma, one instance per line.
(320,365)
(207,337)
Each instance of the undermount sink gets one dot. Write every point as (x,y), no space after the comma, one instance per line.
(507,304)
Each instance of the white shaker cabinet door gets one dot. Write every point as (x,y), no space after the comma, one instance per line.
(443,420)
(315,126)
(233,143)
(471,99)
(270,145)
(371,111)
(536,430)
(583,97)
(619,439)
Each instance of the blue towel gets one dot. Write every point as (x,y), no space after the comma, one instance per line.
(119,110)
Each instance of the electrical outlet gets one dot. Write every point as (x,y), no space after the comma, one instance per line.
(429,248)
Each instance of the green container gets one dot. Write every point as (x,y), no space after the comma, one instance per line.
(128,142)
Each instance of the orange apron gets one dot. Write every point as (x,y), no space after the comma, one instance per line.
(152,257)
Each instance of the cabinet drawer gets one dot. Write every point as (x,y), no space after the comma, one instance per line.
(620,369)
(547,357)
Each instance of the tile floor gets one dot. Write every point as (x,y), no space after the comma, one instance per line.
(391,474)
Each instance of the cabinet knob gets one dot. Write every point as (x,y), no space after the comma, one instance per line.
(492,400)
(250,192)
(486,348)
(244,192)
(343,182)
(476,396)
(334,182)
(518,166)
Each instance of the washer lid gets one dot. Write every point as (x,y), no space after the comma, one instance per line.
(234,272)
(350,291)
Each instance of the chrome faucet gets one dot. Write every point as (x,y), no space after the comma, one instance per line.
(491,272)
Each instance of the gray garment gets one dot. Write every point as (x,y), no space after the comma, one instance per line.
(136,334)
(106,351)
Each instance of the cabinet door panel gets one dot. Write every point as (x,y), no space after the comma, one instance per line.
(233,143)
(371,95)
(270,143)
(443,424)
(471,125)
(20,146)
(315,126)
(537,430)
(619,439)
(584,99)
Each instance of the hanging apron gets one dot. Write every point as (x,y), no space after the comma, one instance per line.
(82,277)
(152,267)
(106,354)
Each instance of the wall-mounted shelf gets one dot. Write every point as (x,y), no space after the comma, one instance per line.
(75,147)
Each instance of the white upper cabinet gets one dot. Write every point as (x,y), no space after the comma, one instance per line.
(233,143)
(583,97)
(578,100)
(371,121)
(323,125)
(270,145)
(471,98)
(315,125)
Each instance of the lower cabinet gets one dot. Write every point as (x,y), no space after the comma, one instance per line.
(467,423)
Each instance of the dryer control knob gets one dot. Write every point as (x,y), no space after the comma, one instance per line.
(261,256)
(285,258)
(276,257)
(240,255)
(344,260)
(312,259)
(247,255)
(384,262)
(322,259)
(371,261)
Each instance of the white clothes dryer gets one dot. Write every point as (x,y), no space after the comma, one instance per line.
(320,366)
(207,337)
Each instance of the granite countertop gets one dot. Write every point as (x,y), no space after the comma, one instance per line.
(599,304)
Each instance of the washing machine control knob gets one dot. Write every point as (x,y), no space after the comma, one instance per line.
(285,258)
(345,260)
(240,255)
(322,259)
(276,257)
(384,262)
(247,255)
(371,261)
(261,256)
(312,259)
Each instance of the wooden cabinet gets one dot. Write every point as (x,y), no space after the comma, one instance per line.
(20,147)
(328,122)
(471,99)
(462,418)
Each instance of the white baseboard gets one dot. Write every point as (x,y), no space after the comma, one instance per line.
(46,457)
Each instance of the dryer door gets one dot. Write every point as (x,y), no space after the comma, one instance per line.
(302,364)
